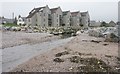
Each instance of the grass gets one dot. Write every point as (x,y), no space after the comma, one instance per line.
(10,25)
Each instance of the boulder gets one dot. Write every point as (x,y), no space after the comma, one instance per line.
(111,37)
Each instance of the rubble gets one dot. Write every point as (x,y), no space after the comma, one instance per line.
(58,60)
(90,64)
(61,53)
(95,41)
(109,33)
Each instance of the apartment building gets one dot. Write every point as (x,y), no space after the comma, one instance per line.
(40,17)
(55,17)
(75,18)
(85,19)
(56,14)
(66,19)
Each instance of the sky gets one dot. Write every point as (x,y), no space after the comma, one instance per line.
(99,10)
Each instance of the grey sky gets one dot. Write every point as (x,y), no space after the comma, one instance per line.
(98,10)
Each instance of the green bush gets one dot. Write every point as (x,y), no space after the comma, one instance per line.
(10,24)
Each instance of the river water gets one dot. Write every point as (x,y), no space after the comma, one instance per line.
(16,55)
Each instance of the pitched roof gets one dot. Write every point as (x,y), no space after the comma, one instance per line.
(65,12)
(83,13)
(53,10)
(24,18)
(74,13)
(34,11)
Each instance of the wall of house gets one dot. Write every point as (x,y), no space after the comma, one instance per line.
(75,21)
(46,12)
(56,18)
(41,19)
(85,20)
(95,24)
(20,21)
(66,19)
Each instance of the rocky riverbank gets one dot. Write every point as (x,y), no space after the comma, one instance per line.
(10,39)
(82,54)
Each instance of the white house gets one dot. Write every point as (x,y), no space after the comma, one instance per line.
(75,18)
(85,19)
(21,20)
(66,19)
(40,17)
(56,14)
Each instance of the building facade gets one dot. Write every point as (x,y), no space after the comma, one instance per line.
(85,19)
(39,17)
(66,19)
(55,17)
(75,18)
(56,14)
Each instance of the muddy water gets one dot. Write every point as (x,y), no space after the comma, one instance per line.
(14,56)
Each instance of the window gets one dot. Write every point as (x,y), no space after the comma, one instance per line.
(57,15)
(36,20)
(44,20)
(44,14)
(57,20)
(44,24)
(50,25)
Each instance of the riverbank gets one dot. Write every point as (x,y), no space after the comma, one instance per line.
(37,43)
(82,54)
(11,39)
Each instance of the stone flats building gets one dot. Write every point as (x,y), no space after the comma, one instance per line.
(85,19)
(66,19)
(75,18)
(55,17)
(40,17)
(56,14)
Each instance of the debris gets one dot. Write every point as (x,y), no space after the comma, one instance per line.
(58,60)
(111,38)
(95,41)
(109,56)
(90,64)
(75,59)
(85,40)
(61,53)
(105,44)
